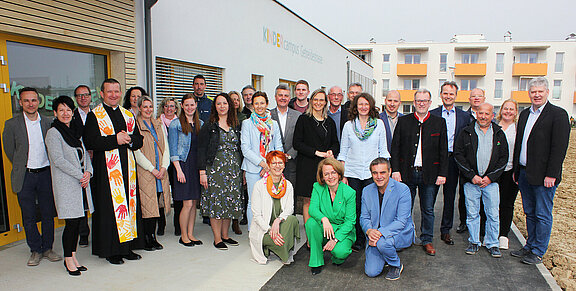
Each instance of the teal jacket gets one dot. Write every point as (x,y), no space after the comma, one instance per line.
(341,213)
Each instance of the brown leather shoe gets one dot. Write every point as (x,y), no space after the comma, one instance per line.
(236,227)
(447,238)
(429,249)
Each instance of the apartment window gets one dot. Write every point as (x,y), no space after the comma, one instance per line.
(470,58)
(468,84)
(557,90)
(412,58)
(441,82)
(443,62)
(386,63)
(385,86)
(559,67)
(500,63)
(411,84)
(498,89)
(523,86)
(257,82)
(406,108)
(528,58)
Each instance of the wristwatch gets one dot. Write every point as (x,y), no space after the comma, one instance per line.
(336,240)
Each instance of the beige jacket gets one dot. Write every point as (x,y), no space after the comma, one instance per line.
(145,159)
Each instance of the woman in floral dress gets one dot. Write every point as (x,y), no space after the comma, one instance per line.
(219,166)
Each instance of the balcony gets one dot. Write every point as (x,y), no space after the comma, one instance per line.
(411,70)
(575,97)
(463,96)
(538,69)
(521,96)
(407,95)
(470,70)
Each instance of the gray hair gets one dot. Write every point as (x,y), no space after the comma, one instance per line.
(248,87)
(144,98)
(282,87)
(423,90)
(483,92)
(355,84)
(380,161)
(538,82)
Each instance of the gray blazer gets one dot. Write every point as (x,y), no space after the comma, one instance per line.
(15,138)
(66,174)
(288,132)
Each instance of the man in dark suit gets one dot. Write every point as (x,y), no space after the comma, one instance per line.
(541,142)
(286,118)
(83,97)
(420,159)
(335,109)
(456,119)
(354,90)
(23,138)
(390,115)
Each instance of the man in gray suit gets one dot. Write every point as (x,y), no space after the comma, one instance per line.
(286,118)
(23,138)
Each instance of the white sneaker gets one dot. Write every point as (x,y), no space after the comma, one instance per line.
(503,243)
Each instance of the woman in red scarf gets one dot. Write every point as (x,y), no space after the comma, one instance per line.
(274,228)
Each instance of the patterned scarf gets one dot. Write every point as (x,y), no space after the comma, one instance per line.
(167,121)
(272,190)
(370,126)
(264,126)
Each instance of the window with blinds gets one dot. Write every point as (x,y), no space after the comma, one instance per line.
(175,78)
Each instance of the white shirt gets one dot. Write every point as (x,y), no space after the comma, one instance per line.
(282,119)
(83,115)
(510,133)
(532,118)
(37,156)
(418,159)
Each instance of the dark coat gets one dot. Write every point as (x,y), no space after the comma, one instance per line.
(434,147)
(309,138)
(547,144)
(208,141)
(466,149)
(462,119)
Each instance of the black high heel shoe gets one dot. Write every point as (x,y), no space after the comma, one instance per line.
(72,273)
(82,269)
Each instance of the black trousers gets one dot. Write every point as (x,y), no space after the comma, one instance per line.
(358,185)
(508,193)
(70,235)
(84,230)
(449,191)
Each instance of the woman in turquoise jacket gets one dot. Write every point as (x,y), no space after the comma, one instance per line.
(333,216)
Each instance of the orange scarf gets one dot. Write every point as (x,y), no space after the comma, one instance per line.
(272,190)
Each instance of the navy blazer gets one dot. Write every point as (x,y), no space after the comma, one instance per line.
(547,144)
(389,133)
(462,119)
(394,218)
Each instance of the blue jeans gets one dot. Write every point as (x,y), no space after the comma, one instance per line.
(251,179)
(537,202)
(427,194)
(490,195)
(385,252)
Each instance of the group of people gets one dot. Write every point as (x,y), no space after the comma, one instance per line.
(235,159)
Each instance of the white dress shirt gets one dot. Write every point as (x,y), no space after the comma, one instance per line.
(532,118)
(37,156)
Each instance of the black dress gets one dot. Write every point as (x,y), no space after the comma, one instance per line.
(311,135)
(105,241)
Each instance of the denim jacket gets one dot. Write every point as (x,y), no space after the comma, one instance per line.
(178,141)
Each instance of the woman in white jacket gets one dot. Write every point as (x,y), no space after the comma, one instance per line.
(274,228)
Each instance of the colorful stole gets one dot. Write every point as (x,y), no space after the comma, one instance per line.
(124,211)
(367,132)
(264,126)
(273,191)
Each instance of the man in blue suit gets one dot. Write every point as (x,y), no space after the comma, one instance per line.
(456,120)
(390,115)
(386,219)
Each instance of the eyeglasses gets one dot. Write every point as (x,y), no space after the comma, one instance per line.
(170,105)
(421,101)
(277,164)
(336,94)
(84,95)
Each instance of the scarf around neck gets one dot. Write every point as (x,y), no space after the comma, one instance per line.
(272,190)
(370,127)
(71,137)
(264,126)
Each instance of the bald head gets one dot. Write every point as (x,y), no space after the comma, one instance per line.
(392,102)
(485,114)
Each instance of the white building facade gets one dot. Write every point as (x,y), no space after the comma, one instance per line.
(502,69)
(236,43)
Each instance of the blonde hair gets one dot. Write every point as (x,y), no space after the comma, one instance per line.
(337,165)
(499,117)
(310,108)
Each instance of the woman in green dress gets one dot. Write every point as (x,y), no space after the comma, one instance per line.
(219,167)
(332,216)
(274,228)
